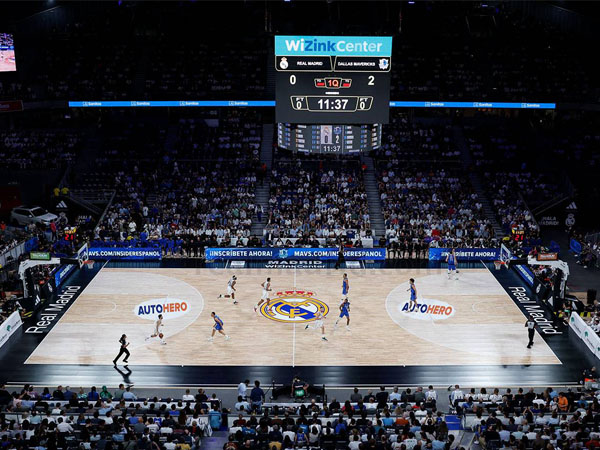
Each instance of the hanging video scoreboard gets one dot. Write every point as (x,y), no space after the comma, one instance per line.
(340,139)
(332,79)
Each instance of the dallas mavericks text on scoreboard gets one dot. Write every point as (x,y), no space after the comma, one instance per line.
(332,79)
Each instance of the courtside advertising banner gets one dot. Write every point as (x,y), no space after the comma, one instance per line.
(351,254)
(9,326)
(585,333)
(465,254)
(125,254)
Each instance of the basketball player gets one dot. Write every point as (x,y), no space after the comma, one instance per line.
(157,330)
(318,323)
(266,288)
(123,350)
(345,286)
(218,326)
(230,289)
(451,260)
(344,312)
(413,295)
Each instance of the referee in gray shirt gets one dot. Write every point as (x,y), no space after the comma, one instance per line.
(530,325)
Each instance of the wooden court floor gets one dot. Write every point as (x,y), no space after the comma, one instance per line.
(469,321)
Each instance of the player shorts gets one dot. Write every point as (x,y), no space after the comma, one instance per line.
(265,295)
(218,327)
(318,324)
(344,292)
(451,267)
(229,290)
(344,314)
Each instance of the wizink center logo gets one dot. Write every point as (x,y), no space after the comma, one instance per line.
(428,309)
(295,306)
(333,45)
(170,308)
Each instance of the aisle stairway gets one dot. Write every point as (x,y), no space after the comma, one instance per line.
(467,162)
(271,73)
(262,189)
(372,189)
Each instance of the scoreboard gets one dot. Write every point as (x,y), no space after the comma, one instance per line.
(340,139)
(332,79)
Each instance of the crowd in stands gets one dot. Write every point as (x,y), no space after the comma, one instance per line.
(506,191)
(430,207)
(208,70)
(180,190)
(317,200)
(529,419)
(410,140)
(482,54)
(38,149)
(469,53)
(103,419)
(395,419)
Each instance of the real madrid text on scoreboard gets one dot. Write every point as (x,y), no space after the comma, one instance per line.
(332,79)
(329,138)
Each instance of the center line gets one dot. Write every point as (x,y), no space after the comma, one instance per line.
(294,347)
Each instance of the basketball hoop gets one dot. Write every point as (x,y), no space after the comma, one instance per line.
(498,264)
(89,264)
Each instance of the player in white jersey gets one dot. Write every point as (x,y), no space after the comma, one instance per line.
(157,330)
(230,289)
(318,323)
(266,288)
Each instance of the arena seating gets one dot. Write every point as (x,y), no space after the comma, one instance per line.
(39,148)
(409,140)
(175,184)
(511,209)
(430,206)
(471,53)
(183,72)
(317,200)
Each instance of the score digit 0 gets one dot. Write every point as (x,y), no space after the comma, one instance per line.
(299,102)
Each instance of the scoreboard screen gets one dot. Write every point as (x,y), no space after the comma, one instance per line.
(341,139)
(332,79)
(7,53)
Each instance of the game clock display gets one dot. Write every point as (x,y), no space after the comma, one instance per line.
(329,79)
(342,139)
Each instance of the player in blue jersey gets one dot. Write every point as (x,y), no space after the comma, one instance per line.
(345,286)
(218,326)
(413,295)
(451,260)
(344,312)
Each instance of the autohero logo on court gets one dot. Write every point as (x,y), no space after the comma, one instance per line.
(427,309)
(170,308)
(294,306)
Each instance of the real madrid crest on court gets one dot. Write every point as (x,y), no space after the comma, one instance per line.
(294,306)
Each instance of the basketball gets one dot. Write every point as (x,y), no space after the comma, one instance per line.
(160,335)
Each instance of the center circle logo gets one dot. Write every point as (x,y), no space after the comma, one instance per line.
(295,306)
(170,308)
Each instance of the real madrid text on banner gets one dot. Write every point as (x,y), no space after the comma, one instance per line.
(293,306)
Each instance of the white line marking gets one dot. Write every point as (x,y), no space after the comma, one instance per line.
(538,334)
(294,347)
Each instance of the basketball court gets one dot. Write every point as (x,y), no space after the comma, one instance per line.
(465,322)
